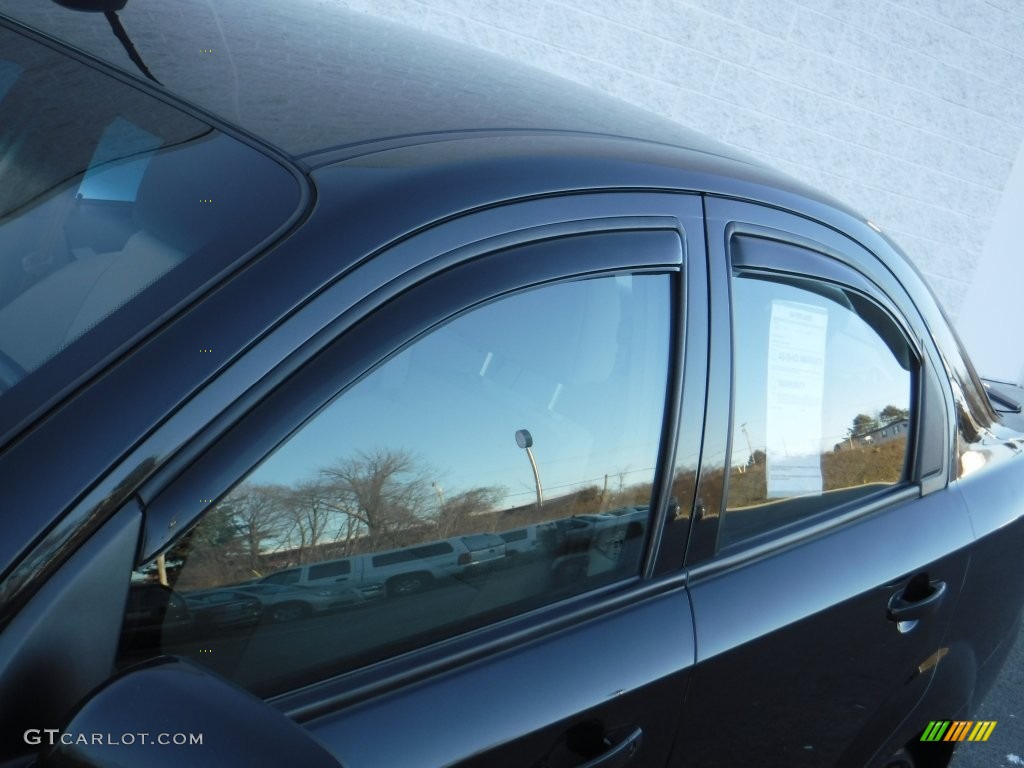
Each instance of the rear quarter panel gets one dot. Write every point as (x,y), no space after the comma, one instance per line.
(989,612)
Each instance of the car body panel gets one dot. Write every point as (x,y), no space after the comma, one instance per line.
(993,592)
(821,607)
(447,722)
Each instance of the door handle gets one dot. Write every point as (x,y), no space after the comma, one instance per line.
(918,599)
(620,754)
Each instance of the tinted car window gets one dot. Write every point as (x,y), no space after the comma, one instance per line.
(283,577)
(481,541)
(432,550)
(420,459)
(106,192)
(325,571)
(402,556)
(823,381)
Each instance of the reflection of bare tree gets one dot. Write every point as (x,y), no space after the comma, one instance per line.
(384,490)
(213,552)
(456,515)
(369,501)
(309,513)
(259,514)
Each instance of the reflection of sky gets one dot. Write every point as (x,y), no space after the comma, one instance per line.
(9,73)
(582,365)
(861,375)
(108,177)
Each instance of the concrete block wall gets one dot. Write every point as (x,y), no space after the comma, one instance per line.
(910,111)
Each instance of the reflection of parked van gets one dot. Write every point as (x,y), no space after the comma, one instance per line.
(396,572)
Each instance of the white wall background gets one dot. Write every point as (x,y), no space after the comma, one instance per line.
(911,111)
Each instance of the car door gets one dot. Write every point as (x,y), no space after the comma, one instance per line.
(401,433)
(828,552)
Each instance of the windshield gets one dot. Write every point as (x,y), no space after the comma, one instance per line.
(106,193)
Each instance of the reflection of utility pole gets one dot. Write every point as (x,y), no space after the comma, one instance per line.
(525,440)
(443,524)
(750,448)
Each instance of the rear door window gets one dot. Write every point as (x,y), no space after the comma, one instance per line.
(824,382)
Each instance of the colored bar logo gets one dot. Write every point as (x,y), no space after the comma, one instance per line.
(958,730)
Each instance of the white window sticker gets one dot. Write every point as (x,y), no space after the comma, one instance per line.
(796,383)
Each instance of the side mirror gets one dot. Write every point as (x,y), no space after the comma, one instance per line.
(124,722)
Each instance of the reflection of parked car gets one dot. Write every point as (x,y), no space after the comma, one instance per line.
(569,534)
(482,550)
(521,541)
(288,603)
(619,519)
(223,609)
(395,572)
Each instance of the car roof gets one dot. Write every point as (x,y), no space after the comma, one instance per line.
(324,84)
(307,76)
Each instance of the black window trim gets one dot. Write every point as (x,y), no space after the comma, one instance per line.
(819,263)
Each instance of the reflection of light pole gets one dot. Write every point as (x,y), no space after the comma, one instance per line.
(525,440)
(750,448)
